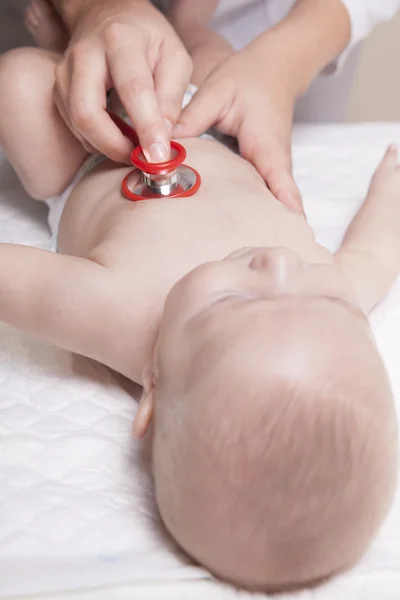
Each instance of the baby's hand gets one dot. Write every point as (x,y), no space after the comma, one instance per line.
(250,96)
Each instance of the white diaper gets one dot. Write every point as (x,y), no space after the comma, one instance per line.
(57,203)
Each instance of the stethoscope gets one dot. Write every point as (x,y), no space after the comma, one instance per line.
(169,179)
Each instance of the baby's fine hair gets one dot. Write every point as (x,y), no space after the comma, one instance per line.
(278,486)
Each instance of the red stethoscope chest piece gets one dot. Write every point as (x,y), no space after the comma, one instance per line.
(187,185)
(169,179)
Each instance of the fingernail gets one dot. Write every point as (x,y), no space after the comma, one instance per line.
(169,126)
(178,130)
(157,153)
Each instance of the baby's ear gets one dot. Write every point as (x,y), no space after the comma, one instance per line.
(144,414)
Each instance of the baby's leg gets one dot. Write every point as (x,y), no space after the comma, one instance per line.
(38,144)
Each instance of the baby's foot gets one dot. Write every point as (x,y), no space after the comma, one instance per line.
(386,179)
(45,26)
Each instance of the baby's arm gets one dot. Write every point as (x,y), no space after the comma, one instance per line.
(64,300)
(370,252)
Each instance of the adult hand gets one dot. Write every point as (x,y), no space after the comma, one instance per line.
(128,45)
(251,96)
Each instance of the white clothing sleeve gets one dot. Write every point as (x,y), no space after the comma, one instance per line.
(364,15)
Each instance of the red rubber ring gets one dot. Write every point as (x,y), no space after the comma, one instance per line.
(185,194)
(191,191)
(153,168)
(157,168)
(126,191)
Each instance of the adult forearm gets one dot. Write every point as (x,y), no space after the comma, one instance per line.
(313,34)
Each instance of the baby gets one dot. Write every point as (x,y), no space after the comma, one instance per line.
(275,437)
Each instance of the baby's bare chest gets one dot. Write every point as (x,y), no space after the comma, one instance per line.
(180,234)
(175,235)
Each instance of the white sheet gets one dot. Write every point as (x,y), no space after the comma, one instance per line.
(76,509)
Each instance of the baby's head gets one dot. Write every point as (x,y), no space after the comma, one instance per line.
(275,439)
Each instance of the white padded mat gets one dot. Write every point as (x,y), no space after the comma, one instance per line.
(76,508)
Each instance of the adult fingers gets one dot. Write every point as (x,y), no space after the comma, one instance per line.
(64,115)
(273,161)
(61,91)
(281,183)
(133,81)
(171,78)
(204,110)
(85,103)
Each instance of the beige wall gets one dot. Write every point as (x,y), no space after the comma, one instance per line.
(376,91)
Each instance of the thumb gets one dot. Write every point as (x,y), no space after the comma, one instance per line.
(284,188)
(274,167)
(202,112)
